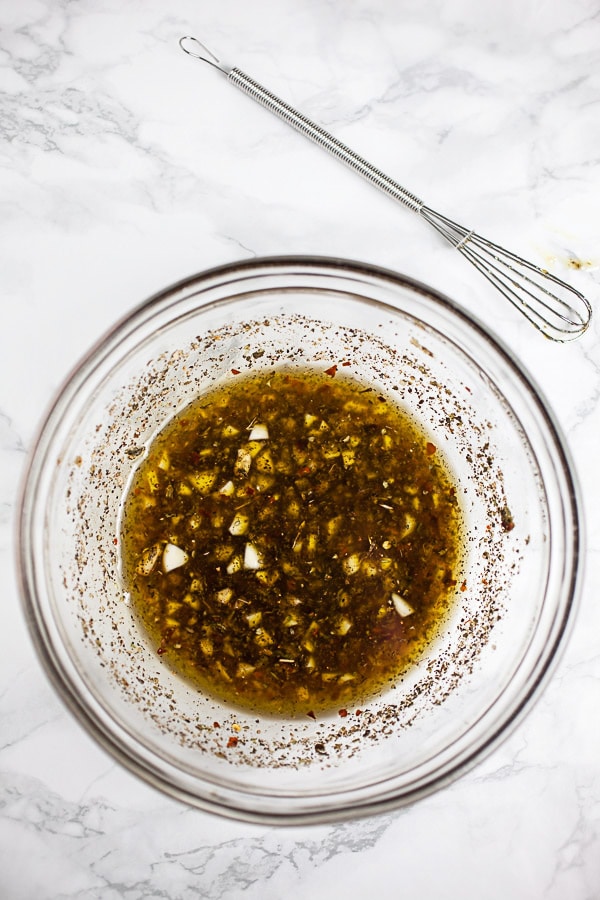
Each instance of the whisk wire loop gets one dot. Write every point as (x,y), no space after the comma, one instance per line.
(562,313)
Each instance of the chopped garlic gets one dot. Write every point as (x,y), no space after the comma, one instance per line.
(239,524)
(370,568)
(206,645)
(402,607)
(262,638)
(224,595)
(259,433)
(252,557)
(333,525)
(148,560)
(222,670)
(410,523)
(243,462)
(351,564)
(267,577)
(192,602)
(264,482)
(343,625)
(227,489)
(172,607)
(244,669)
(234,565)
(163,462)
(264,462)
(173,558)
(348,458)
(203,481)
(311,545)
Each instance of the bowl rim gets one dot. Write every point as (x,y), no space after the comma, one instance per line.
(79,706)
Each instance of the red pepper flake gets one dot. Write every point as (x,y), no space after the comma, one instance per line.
(115,541)
(346,363)
(331,371)
(343,713)
(311,715)
(233,741)
(358,712)
(216,725)
(235,371)
(167,635)
(250,491)
(305,470)
(430,448)
(463,586)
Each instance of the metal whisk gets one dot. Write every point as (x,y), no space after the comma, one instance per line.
(554,307)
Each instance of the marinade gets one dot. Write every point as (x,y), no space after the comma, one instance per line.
(291,541)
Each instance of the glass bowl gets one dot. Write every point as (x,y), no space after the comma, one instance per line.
(513,604)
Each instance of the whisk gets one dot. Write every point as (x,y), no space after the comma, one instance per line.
(554,307)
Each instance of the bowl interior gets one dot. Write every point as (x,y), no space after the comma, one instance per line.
(512,600)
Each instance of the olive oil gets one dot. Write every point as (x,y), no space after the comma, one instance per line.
(291,541)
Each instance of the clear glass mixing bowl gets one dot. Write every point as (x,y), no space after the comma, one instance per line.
(490,658)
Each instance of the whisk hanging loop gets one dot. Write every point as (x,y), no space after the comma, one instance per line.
(554,307)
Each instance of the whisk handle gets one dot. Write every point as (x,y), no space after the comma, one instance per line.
(323,139)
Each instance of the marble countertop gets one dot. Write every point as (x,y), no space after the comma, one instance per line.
(126,166)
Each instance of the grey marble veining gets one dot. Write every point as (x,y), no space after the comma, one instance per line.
(124,167)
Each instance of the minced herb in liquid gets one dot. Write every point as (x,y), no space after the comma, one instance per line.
(291,541)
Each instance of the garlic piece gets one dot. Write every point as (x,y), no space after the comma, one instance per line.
(402,607)
(239,524)
(259,433)
(252,558)
(173,558)
(148,560)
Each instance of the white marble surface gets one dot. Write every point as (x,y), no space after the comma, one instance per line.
(125,166)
